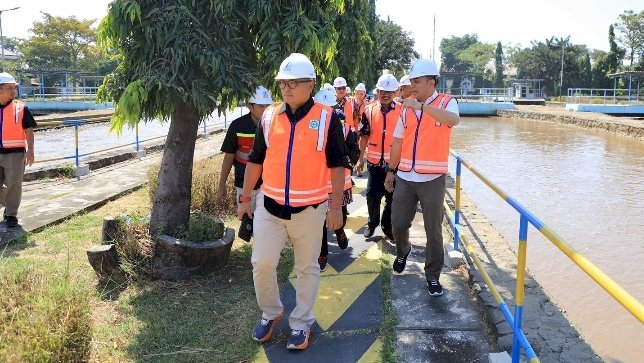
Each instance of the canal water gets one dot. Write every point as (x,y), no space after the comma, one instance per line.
(56,143)
(587,186)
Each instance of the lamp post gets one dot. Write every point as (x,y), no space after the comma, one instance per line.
(1,36)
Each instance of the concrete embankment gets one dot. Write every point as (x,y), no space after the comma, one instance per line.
(547,328)
(618,125)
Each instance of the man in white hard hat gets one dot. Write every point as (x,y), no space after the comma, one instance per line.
(238,142)
(298,148)
(377,129)
(405,89)
(344,106)
(16,147)
(419,154)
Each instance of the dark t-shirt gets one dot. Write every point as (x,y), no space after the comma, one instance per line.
(28,122)
(336,154)
(239,137)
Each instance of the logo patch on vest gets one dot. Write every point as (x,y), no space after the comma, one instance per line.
(314,124)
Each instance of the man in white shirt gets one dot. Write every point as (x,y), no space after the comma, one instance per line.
(419,154)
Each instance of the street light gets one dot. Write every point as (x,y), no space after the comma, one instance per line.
(2,37)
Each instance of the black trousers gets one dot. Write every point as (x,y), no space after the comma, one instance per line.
(375,191)
(324,251)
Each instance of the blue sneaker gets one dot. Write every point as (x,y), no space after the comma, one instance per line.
(264,329)
(299,339)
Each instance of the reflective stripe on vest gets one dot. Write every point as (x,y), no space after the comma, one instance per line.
(381,132)
(425,144)
(13,135)
(244,144)
(295,172)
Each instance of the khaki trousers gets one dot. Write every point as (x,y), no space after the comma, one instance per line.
(270,234)
(12,169)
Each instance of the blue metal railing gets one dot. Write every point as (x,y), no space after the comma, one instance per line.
(526,217)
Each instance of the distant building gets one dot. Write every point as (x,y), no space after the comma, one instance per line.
(10,55)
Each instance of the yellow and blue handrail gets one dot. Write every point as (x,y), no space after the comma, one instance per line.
(520,341)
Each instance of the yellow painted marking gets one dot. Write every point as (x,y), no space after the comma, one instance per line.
(336,294)
(329,271)
(260,357)
(356,220)
(372,355)
(368,262)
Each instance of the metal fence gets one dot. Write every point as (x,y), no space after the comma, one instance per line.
(604,96)
(526,217)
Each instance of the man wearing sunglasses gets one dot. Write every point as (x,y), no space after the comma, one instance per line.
(377,130)
(16,147)
(298,148)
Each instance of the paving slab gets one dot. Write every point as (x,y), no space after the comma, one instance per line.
(421,346)
(456,309)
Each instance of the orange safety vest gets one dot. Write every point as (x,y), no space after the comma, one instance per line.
(425,144)
(13,135)
(295,171)
(348,113)
(244,144)
(382,131)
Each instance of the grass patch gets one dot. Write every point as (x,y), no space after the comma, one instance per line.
(45,315)
(202,319)
(389,319)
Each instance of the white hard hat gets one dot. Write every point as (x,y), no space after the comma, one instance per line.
(296,66)
(361,87)
(261,97)
(387,82)
(325,97)
(423,67)
(329,87)
(339,82)
(7,78)
(404,81)
(348,89)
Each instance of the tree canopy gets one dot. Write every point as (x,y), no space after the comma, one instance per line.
(184,59)
(394,48)
(61,42)
(630,28)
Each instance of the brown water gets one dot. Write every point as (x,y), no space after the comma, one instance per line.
(587,186)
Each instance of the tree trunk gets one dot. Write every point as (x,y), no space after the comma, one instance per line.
(104,260)
(171,206)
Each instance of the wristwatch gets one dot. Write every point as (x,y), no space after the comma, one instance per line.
(243,199)
(389,170)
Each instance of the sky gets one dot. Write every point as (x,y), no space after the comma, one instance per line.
(511,22)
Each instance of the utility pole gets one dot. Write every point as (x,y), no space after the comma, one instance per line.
(563,46)
(434,39)
(1,36)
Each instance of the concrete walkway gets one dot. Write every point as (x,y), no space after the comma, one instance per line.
(349,307)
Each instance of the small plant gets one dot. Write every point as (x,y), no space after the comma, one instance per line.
(134,246)
(201,228)
(67,170)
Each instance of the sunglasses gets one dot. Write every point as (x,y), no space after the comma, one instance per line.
(291,83)
(341,88)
